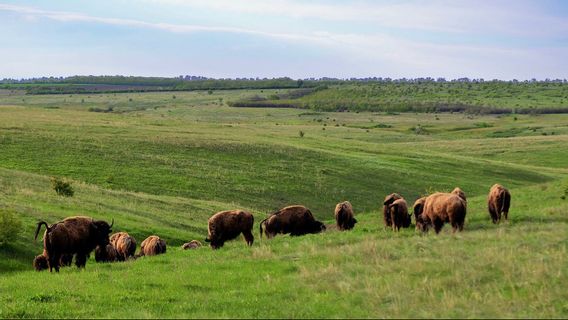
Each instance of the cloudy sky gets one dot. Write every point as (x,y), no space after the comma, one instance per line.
(296,38)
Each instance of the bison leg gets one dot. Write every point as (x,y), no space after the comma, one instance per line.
(248,237)
(54,262)
(438,224)
(80,260)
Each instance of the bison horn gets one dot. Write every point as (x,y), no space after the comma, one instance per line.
(112,223)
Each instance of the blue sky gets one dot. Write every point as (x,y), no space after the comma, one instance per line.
(271,38)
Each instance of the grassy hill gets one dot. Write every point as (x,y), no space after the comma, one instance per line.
(160,165)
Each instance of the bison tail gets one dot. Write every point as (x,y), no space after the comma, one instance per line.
(39,224)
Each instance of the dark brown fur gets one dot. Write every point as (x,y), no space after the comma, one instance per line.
(344,216)
(227,225)
(106,253)
(440,208)
(418,208)
(124,244)
(386,208)
(193,244)
(73,236)
(152,246)
(40,262)
(295,220)
(498,202)
(399,214)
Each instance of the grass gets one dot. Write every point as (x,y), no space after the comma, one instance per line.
(165,170)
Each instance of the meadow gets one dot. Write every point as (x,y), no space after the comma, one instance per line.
(163,162)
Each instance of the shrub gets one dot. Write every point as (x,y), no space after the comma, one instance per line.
(301,133)
(10,226)
(62,187)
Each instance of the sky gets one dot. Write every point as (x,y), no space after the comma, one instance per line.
(490,39)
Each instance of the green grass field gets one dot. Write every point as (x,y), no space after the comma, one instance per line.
(162,165)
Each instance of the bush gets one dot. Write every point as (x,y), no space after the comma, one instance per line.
(301,134)
(62,187)
(10,226)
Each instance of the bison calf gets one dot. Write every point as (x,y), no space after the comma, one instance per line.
(193,244)
(440,208)
(295,220)
(40,262)
(227,225)
(124,244)
(106,253)
(498,202)
(344,216)
(152,246)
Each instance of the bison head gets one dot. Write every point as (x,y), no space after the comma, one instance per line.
(101,231)
(40,263)
(317,227)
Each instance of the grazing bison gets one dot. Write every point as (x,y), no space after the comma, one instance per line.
(106,253)
(498,202)
(124,244)
(440,208)
(152,246)
(40,261)
(386,208)
(399,217)
(227,225)
(73,236)
(193,244)
(344,216)
(459,192)
(418,208)
(295,220)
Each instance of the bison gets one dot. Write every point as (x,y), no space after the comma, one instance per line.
(498,201)
(106,253)
(295,220)
(418,207)
(73,236)
(40,262)
(386,208)
(227,225)
(440,208)
(399,217)
(124,244)
(193,244)
(152,246)
(344,216)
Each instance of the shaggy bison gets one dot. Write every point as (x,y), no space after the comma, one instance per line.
(295,220)
(73,236)
(193,244)
(106,253)
(124,244)
(344,216)
(498,202)
(227,225)
(152,246)
(40,261)
(440,208)
(399,216)
(418,208)
(386,208)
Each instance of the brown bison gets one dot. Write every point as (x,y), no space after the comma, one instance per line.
(418,208)
(152,246)
(498,201)
(193,244)
(459,192)
(344,216)
(73,236)
(227,225)
(40,261)
(440,208)
(106,253)
(399,216)
(295,220)
(124,244)
(386,208)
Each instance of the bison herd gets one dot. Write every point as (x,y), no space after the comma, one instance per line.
(79,236)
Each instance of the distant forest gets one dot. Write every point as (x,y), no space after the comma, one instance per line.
(105,84)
